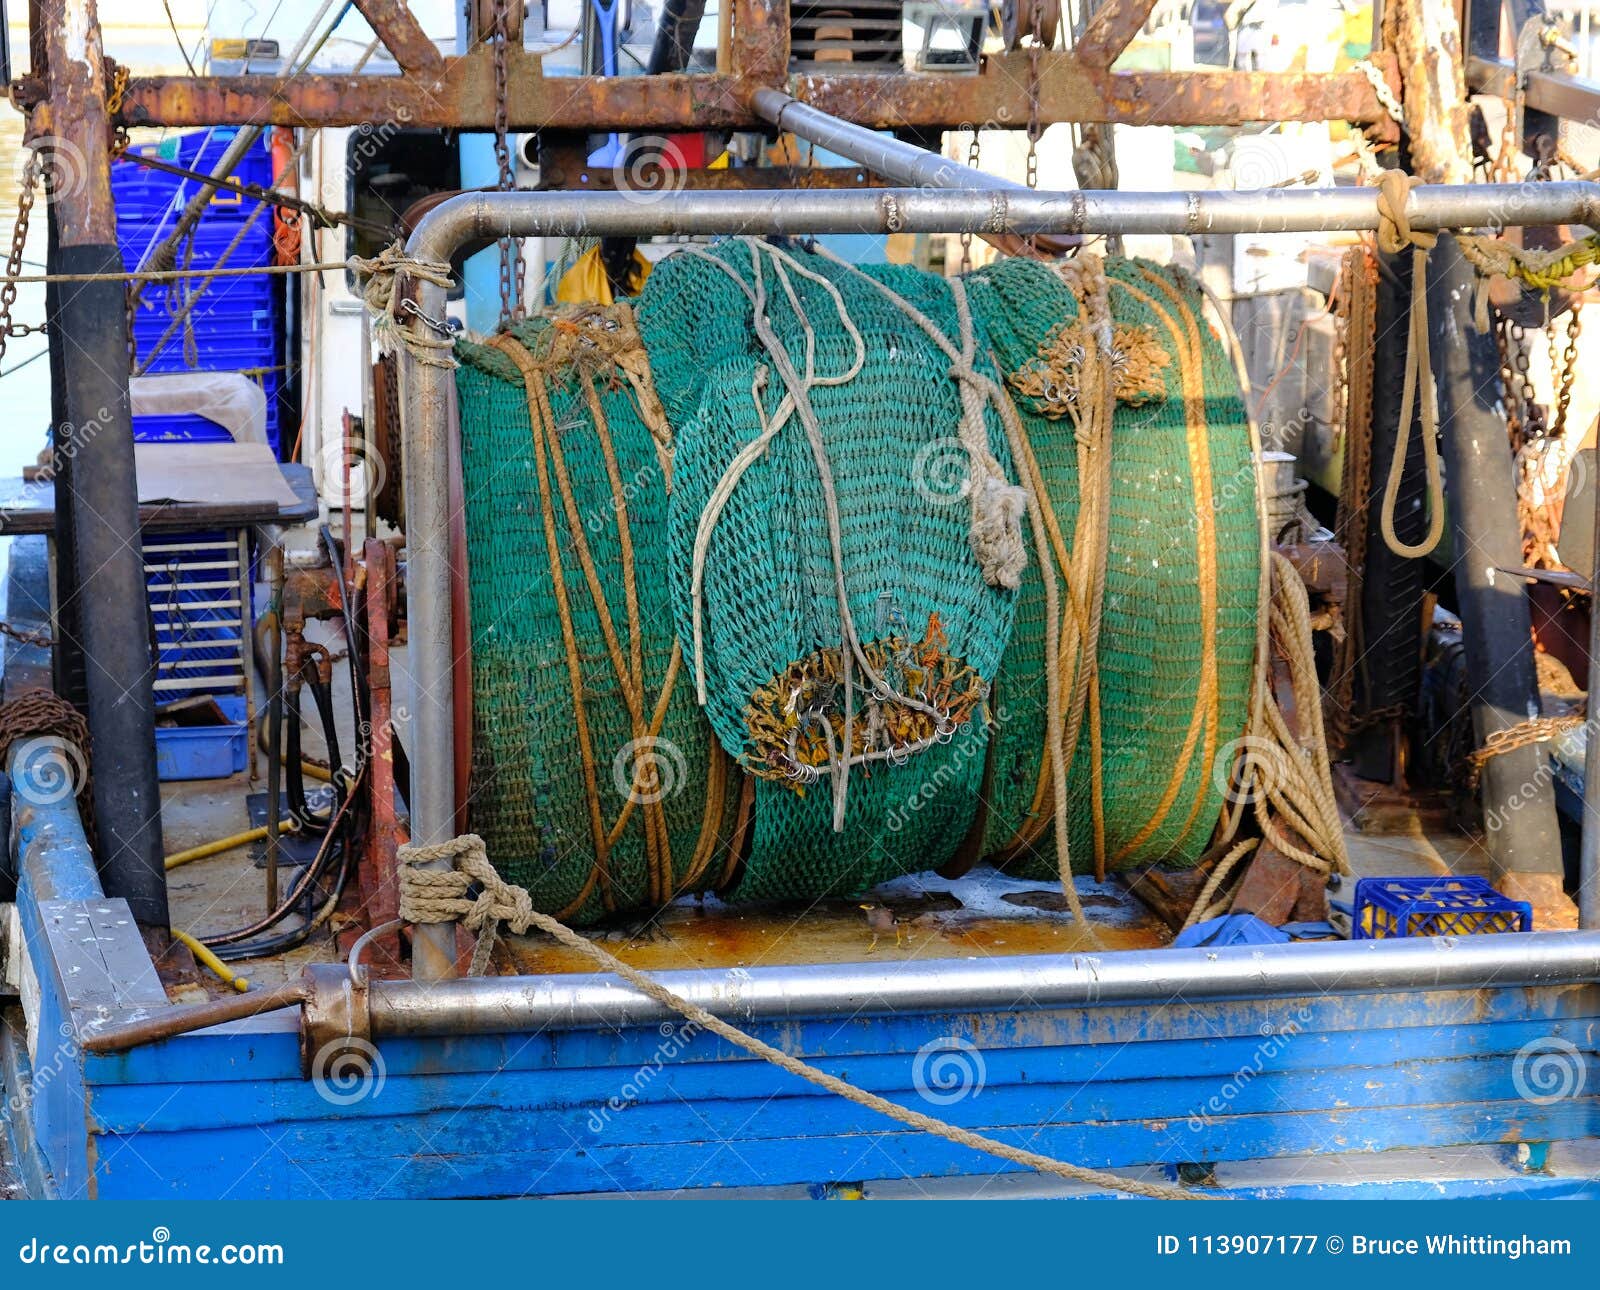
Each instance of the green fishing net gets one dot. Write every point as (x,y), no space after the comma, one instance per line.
(1162,791)
(530,795)
(770,621)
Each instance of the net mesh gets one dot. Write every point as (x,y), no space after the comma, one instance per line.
(538,779)
(1182,513)
(771,623)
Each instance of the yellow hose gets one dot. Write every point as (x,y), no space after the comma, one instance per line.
(207,958)
(226,844)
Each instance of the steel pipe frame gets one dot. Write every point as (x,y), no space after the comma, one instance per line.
(1158,978)
(471,216)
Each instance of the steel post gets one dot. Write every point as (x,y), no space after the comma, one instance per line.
(91,332)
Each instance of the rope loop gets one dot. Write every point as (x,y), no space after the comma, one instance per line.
(1395,234)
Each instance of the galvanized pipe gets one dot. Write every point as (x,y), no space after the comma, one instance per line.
(882,154)
(1164,977)
(491,215)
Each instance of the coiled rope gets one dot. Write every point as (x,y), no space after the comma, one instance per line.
(447,896)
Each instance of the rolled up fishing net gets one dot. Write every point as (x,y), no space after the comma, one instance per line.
(845,543)
(1159,620)
(595,781)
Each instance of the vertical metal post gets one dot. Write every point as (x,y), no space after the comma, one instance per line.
(1518,795)
(1589,848)
(1391,585)
(90,330)
(424,393)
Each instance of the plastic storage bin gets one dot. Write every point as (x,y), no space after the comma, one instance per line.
(1389,907)
(236,325)
(206,752)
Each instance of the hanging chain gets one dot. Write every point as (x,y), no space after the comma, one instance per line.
(1034,51)
(966,238)
(510,294)
(19,241)
(116,88)
(1569,364)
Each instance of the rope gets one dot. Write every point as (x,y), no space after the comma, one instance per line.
(1394,235)
(171,275)
(446,896)
(39,712)
(382,272)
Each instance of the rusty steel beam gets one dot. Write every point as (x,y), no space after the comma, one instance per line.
(997,99)
(760,49)
(1109,29)
(394,24)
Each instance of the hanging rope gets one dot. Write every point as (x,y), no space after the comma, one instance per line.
(473,893)
(1395,234)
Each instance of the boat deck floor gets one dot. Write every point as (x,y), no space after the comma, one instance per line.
(985,913)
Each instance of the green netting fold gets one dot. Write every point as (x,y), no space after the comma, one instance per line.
(770,620)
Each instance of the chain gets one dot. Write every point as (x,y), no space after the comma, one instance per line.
(1381,91)
(26,636)
(19,241)
(116,87)
(1034,50)
(1569,364)
(1535,730)
(966,238)
(510,296)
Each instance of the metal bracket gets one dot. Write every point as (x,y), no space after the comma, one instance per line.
(336,1022)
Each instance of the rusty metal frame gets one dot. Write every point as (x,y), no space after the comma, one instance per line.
(434,90)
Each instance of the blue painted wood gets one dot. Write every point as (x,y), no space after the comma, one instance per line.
(466,1161)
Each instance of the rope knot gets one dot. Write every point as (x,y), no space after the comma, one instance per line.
(1395,233)
(387,304)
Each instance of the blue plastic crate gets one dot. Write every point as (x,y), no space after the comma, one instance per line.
(236,325)
(200,612)
(1434,906)
(144,191)
(206,752)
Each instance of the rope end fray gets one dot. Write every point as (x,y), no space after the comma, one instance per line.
(390,306)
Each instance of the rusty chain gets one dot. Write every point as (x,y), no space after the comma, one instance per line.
(511,309)
(1034,131)
(1535,730)
(9,330)
(973,158)
(1569,364)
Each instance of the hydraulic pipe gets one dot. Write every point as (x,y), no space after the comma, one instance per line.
(882,154)
(1126,978)
(454,223)
(1164,977)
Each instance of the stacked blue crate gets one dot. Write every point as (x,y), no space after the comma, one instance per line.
(236,324)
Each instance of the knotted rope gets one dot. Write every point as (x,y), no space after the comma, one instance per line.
(382,272)
(1394,235)
(472,893)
